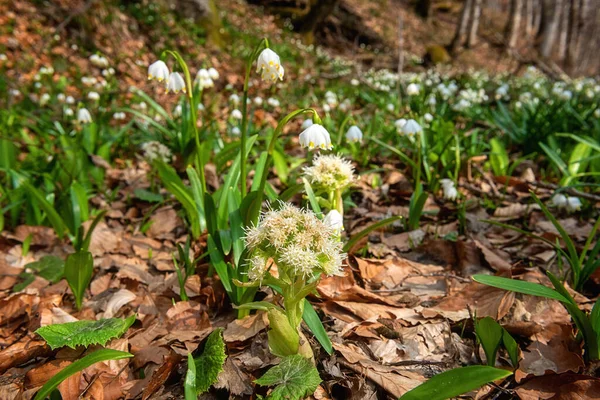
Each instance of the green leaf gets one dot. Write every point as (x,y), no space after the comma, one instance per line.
(146,195)
(78,273)
(455,382)
(498,157)
(210,363)
(51,268)
(577,159)
(79,365)
(294,378)
(84,333)
(310,316)
(513,285)
(489,333)
(314,203)
(189,385)
(217,261)
(512,348)
(55,219)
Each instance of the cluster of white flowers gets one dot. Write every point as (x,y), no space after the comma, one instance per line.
(174,81)
(205,78)
(330,172)
(156,150)
(408,127)
(331,101)
(315,136)
(382,79)
(571,203)
(89,81)
(119,116)
(296,241)
(99,61)
(273,102)
(448,189)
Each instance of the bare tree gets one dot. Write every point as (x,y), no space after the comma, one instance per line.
(514,23)
(474,23)
(463,23)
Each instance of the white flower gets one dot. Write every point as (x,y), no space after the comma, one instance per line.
(213,73)
(573,204)
(158,71)
(413,89)
(156,150)
(235,131)
(203,79)
(176,83)
(306,123)
(70,100)
(316,137)
(68,112)
(269,65)
(354,134)
(450,192)
(326,108)
(236,114)
(61,97)
(431,100)
(234,99)
(330,172)
(428,117)
(566,95)
(99,61)
(94,96)
(14,92)
(273,102)
(108,72)
(334,220)
(44,99)
(411,128)
(355,82)
(390,107)
(83,116)
(257,101)
(119,116)
(559,200)
(3,57)
(597,113)
(89,80)
(178,110)
(399,124)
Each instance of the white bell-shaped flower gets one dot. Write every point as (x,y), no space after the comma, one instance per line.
(334,220)
(354,134)
(213,73)
(269,66)
(84,116)
(413,89)
(428,117)
(411,128)
(236,114)
(158,71)
(316,137)
(94,96)
(559,200)
(176,83)
(399,124)
(257,101)
(573,204)
(448,189)
(203,79)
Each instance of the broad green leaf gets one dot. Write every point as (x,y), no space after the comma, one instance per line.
(79,268)
(79,365)
(57,222)
(455,382)
(582,139)
(50,268)
(146,195)
(315,325)
(498,157)
(189,385)
(294,378)
(210,363)
(512,348)
(217,261)
(578,158)
(84,333)
(198,194)
(513,285)
(489,333)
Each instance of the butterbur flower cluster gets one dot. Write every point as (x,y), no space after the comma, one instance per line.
(330,172)
(297,242)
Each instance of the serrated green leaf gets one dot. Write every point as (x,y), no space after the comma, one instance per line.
(79,268)
(210,363)
(455,382)
(294,378)
(84,333)
(79,365)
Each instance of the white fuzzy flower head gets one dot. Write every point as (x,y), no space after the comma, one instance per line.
(449,190)
(156,151)
(413,89)
(354,134)
(176,83)
(236,114)
(84,116)
(158,71)
(316,137)
(411,128)
(330,172)
(269,66)
(335,221)
(296,241)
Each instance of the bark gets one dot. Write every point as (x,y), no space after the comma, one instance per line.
(565,26)
(529,18)
(423,8)
(463,23)
(319,11)
(551,14)
(474,23)
(538,10)
(514,23)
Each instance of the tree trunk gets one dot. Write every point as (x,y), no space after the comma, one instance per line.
(514,23)
(565,26)
(319,11)
(551,13)
(538,11)
(529,18)
(474,23)
(461,28)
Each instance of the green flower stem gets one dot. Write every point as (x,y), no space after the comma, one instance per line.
(193,113)
(244,135)
(341,130)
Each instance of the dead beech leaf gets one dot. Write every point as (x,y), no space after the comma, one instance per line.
(514,211)
(240,330)
(117,300)
(55,316)
(104,239)
(22,351)
(164,220)
(392,380)
(567,386)
(496,261)
(234,380)
(161,375)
